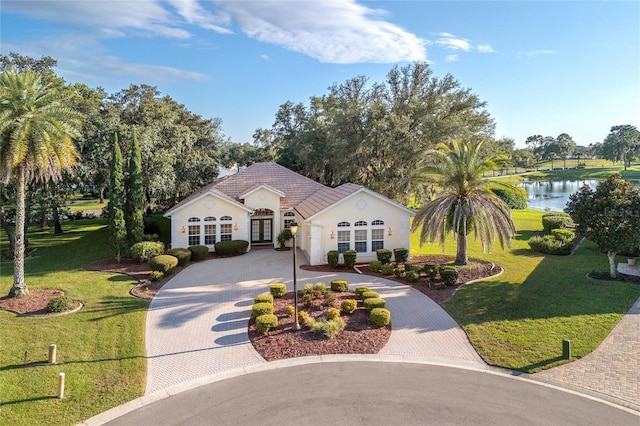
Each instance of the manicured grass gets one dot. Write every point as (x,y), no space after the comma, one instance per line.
(599,173)
(100,348)
(518,320)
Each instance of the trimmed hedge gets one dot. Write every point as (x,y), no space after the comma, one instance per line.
(563,234)
(278,290)
(163,263)
(350,258)
(145,250)
(332,258)
(380,317)
(263,298)
(515,198)
(360,290)
(199,252)
(384,255)
(374,302)
(231,248)
(261,309)
(59,304)
(448,275)
(291,310)
(348,306)
(387,269)
(333,313)
(369,294)
(431,270)
(266,322)
(412,276)
(400,254)
(556,220)
(375,266)
(156,276)
(339,285)
(182,254)
(550,245)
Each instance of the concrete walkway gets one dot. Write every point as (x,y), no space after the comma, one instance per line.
(197,323)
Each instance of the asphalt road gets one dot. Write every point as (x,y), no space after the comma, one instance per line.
(376,393)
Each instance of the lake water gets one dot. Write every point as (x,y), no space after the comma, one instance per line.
(554,195)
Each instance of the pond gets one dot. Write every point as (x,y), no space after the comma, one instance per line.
(553,195)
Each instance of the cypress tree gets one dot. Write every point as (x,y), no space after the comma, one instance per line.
(135,195)
(117,226)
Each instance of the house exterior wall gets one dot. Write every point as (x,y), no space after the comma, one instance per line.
(265,199)
(361,207)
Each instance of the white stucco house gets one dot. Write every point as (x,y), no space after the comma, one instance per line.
(257,203)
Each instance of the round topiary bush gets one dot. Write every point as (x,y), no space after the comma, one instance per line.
(360,290)
(369,294)
(332,313)
(278,290)
(400,254)
(387,269)
(266,322)
(182,254)
(350,258)
(380,317)
(431,270)
(59,304)
(163,263)
(261,309)
(375,266)
(291,310)
(145,250)
(412,276)
(374,302)
(448,275)
(384,255)
(332,258)
(199,252)
(263,298)
(339,285)
(231,248)
(348,306)
(563,234)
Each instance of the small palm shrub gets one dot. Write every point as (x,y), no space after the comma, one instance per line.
(374,302)
(448,275)
(263,298)
(145,250)
(412,276)
(384,255)
(261,309)
(339,285)
(348,306)
(332,258)
(278,289)
(330,328)
(333,313)
(380,317)
(375,266)
(182,254)
(387,269)
(59,304)
(163,263)
(350,258)
(266,322)
(360,290)
(156,276)
(400,254)
(199,252)
(369,294)
(284,236)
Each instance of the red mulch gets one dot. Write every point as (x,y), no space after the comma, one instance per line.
(35,303)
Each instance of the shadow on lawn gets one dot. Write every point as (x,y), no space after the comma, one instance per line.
(114,305)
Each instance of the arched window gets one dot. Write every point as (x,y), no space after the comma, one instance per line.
(226,228)
(209,230)
(377,235)
(344,236)
(343,224)
(289,218)
(194,219)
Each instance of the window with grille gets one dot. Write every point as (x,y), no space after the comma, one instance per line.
(289,218)
(377,235)
(344,241)
(194,235)
(209,234)
(226,232)
(360,240)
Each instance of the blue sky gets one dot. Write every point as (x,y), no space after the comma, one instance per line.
(543,67)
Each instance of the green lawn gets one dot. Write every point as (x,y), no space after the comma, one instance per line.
(100,348)
(518,320)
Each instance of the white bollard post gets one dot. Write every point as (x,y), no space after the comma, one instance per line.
(60,385)
(53,352)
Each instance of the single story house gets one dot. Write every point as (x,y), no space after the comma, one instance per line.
(257,203)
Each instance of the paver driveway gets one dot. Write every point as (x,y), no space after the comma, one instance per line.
(197,323)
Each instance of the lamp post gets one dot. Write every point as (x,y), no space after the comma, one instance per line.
(294,229)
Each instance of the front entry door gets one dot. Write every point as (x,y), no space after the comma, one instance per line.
(261,231)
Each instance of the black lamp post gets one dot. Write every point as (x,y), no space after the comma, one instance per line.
(294,229)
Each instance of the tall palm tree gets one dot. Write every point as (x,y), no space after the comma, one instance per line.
(36,132)
(464,203)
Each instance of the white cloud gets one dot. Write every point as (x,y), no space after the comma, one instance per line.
(452,58)
(334,31)
(449,41)
(265,57)
(485,48)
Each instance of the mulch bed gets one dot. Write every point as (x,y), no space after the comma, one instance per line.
(35,303)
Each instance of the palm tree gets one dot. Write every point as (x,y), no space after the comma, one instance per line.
(36,132)
(465,203)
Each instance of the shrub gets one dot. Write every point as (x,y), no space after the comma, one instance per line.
(145,250)
(556,220)
(412,276)
(375,266)
(317,295)
(398,272)
(333,313)
(261,309)
(339,285)
(380,317)
(431,270)
(369,294)
(332,258)
(266,322)
(291,310)
(383,255)
(348,306)
(150,237)
(411,267)
(400,254)
(278,289)
(330,328)
(198,252)
(284,236)
(231,248)
(550,245)
(350,258)
(448,275)
(156,276)
(182,254)
(263,298)
(59,304)
(374,302)
(387,269)
(163,263)
(563,234)
(515,198)
(303,316)
(360,290)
